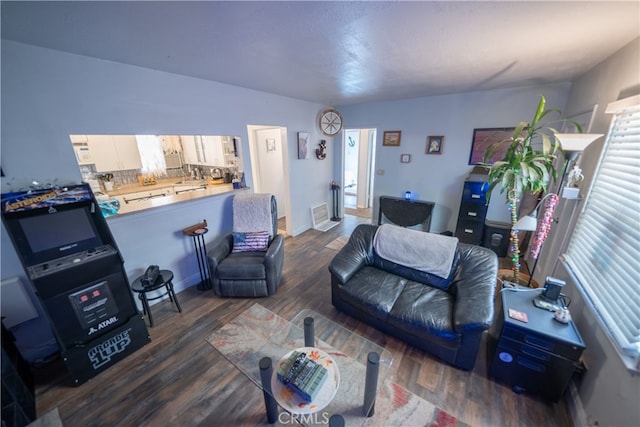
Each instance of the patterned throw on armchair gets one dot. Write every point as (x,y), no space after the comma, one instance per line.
(248,262)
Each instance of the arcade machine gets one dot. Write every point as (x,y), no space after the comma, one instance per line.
(76,270)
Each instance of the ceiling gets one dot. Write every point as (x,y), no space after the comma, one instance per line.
(338,53)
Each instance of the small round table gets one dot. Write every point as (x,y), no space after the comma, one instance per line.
(164,280)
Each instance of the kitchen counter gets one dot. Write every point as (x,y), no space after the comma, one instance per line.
(137,204)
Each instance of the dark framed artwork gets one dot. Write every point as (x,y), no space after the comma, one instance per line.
(405,158)
(391,138)
(483,138)
(434,144)
(303,145)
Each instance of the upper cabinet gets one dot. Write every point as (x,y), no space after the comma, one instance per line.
(203,150)
(114,152)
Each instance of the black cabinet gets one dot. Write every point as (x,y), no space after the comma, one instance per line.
(538,356)
(473,210)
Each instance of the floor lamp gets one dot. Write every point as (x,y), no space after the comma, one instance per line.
(573,144)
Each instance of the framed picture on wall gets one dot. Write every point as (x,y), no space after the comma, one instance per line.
(391,138)
(483,138)
(405,158)
(303,145)
(434,144)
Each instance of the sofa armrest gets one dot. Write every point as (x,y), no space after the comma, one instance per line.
(357,253)
(218,251)
(275,253)
(474,288)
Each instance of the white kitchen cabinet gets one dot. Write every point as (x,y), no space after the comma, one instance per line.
(114,152)
(147,195)
(83,154)
(192,149)
(203,150)
(212,147)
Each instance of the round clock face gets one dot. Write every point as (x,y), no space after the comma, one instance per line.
(330,122)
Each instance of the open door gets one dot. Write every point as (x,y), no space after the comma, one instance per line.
(268,154)
(358,167)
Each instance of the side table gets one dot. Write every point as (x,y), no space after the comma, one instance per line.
(538,356)
(197,232)
(164,280)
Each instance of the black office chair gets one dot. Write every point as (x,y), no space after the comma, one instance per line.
(248,273)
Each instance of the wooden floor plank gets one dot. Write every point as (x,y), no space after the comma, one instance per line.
(180,379)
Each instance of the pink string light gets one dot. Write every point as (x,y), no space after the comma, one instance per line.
(544,225)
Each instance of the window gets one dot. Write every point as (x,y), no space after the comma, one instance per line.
(604,251)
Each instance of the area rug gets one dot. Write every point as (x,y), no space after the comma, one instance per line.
(338,243)
(395,405)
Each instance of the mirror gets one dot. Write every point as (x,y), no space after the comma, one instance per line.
(109,162)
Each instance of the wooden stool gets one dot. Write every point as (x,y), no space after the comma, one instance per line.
(164,280)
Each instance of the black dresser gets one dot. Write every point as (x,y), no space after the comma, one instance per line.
(473,210)
(539,356)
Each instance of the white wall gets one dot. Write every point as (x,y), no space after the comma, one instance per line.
(609,392)
(48,95)
(439,178)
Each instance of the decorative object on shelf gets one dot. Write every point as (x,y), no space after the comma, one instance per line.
(320,152)
(434,144)
(330,122)
(303,145)
(523,167)
(483,139)
(405,158)
(391,138)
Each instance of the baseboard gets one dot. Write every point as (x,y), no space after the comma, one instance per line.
(574,406)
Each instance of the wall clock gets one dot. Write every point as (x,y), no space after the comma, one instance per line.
(330,122)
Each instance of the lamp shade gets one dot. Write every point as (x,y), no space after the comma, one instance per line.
(576,142)
(527,223)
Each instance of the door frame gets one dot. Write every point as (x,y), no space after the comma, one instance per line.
(255,167)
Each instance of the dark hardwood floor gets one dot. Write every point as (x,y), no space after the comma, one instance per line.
(181,380)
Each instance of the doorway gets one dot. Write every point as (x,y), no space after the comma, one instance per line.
(268,154)
(358,166)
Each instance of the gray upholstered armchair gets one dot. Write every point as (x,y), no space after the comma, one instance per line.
(253,267)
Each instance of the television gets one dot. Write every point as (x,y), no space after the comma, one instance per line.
(45,234)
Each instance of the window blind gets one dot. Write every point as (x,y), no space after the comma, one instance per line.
(604,250)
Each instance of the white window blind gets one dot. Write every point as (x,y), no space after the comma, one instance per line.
(604,250)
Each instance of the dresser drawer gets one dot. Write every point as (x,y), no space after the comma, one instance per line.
(472,210)
(526,373)
(540,342)
(475,192)
(469,231)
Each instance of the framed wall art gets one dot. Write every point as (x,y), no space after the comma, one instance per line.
(434,144)
(405,158)
(391,138)
(303,144)
(483,138)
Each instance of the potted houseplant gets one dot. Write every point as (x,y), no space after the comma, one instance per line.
(525,167)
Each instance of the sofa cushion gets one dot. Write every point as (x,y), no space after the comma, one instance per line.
(421,310)
(373,291)
(415,275)
(242,265)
